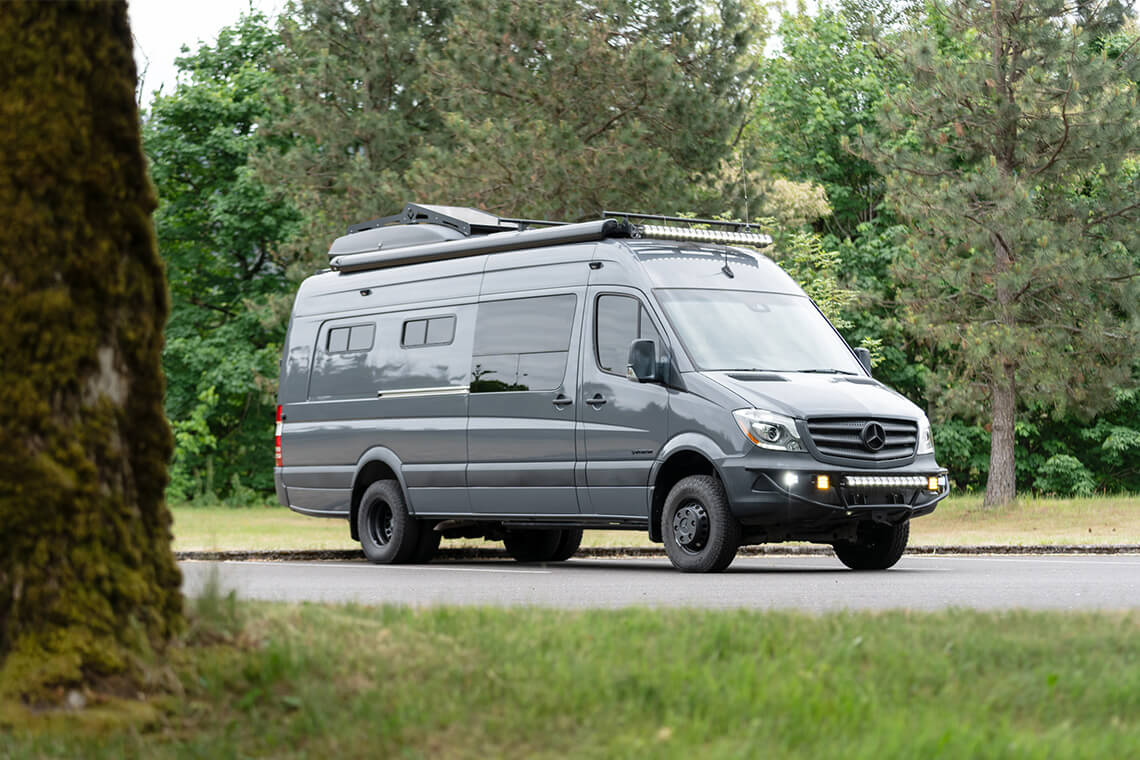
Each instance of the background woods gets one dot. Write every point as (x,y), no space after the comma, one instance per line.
(954,181)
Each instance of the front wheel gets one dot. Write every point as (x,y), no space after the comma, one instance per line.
(877,547)
(701,534)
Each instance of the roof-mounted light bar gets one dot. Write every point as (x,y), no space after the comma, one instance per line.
(663,232)
(711,230)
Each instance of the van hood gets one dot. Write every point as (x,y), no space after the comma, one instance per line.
(804,395)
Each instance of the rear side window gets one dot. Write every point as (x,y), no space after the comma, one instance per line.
(436,331)
(353,338)
(619,321)
(522,344)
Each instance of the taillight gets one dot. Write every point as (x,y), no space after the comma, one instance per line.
(277,440)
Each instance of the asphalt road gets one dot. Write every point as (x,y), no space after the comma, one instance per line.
(814,584)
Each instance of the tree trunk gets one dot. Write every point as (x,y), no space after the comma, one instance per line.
(1001,485)
(87,578)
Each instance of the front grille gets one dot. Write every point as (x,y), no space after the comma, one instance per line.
(842,438)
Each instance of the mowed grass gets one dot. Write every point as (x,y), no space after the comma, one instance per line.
(957,521)
(353,682)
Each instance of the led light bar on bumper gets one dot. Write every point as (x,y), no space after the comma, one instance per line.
(929,482)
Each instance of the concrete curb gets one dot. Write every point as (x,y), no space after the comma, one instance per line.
(634,552)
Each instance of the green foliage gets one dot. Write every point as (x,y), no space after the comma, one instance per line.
(821,89)
(352,109)
(1064,475)
(218,229)
(88,584)
(607,104)
(555,109)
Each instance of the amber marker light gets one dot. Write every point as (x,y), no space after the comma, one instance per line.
(932,483)
(822,482)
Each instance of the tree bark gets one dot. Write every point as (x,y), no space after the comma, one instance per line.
(1001,483)
(88,581)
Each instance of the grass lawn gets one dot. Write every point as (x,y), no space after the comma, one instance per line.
(958,520)
(347,682)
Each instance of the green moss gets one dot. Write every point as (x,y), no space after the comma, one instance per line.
(87,579)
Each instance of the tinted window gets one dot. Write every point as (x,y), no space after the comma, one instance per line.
(522,344)
(415,332)
(360,337)
(619,321)
(524,325)
(437,331)
(338,339)
(352,338)
(440,330)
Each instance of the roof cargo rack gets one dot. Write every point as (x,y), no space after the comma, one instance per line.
(424,233)
(467,221)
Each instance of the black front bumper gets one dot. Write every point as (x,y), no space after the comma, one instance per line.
(777,498)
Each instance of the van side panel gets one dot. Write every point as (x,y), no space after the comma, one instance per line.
(375,380)
(521,431)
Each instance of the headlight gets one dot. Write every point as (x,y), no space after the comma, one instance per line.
(769,430)
(925,437)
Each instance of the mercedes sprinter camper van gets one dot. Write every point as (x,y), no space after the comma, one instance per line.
(455,373)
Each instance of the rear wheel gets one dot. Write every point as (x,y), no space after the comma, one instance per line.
(700,532)
(567,545)
(388,534)
(542,545)
(877,547)
(428,544)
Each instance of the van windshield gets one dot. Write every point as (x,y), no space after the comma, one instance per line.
(744,330)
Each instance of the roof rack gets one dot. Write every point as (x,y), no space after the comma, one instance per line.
(467,221)
(736,226)
(486,233)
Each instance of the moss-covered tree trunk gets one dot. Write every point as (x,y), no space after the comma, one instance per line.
(87,577)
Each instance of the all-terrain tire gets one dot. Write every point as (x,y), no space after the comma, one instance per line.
(532,545)
(428,544)
(388,534)
(567,545)
(878,548)
(701,534)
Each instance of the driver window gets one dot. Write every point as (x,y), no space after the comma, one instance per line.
(618,321)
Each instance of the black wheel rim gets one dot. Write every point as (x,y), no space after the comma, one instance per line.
(380,524)
(691,527)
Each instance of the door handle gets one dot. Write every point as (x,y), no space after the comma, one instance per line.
(563,401)
(596,401)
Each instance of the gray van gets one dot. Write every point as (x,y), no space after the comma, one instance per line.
(459,374)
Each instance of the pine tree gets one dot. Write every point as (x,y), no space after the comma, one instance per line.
(1011,156)
(87,578)
(552,108)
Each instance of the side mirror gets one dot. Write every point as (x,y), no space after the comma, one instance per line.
(643,366)
(864,358)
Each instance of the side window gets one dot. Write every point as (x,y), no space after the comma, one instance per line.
(522,344)
(436,331)
(618,321)
(354,338)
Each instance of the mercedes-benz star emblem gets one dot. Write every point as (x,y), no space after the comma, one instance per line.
(874,437)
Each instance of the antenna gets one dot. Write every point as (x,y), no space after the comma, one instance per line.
(744,181)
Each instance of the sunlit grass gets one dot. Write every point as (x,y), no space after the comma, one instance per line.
(957,521)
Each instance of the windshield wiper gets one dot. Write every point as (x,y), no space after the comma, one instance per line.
(824,371)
